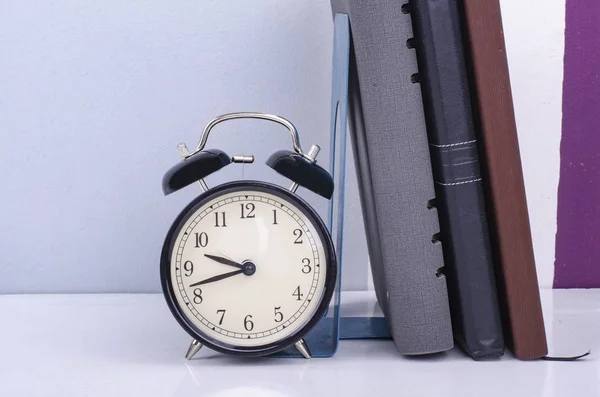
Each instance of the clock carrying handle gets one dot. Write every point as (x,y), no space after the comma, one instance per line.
(296,165)
(252,115)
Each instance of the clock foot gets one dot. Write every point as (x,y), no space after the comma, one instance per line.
(303,348)
(194,348)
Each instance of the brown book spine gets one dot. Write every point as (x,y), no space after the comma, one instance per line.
(507,206)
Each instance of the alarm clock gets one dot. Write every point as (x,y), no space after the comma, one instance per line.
(248,267)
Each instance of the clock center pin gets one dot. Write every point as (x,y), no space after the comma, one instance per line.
(249,268)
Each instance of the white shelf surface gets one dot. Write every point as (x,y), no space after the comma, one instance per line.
(129,345)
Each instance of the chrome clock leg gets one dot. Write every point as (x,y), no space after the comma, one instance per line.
(303,348)
(194,348)
(294,187)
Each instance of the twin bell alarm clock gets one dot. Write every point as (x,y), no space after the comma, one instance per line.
(248,267)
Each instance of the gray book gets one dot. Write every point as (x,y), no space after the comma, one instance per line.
(389,139)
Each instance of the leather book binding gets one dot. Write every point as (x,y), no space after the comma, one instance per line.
(503,178)
(456,172)
(389,139)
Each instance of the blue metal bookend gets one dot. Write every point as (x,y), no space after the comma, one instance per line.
(324,338)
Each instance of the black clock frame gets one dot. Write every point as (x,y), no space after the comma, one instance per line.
(189,210)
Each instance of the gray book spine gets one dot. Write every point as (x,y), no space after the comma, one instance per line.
(389,138)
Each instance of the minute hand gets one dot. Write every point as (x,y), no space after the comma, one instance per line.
(218,278)
(224,261)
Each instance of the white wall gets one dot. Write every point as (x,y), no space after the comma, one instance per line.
(95,95)
(534,32)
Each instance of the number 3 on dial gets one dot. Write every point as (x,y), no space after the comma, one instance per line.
(306,268)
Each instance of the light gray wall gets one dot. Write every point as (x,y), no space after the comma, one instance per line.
(94,97)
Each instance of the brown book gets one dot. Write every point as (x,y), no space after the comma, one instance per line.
(505,191)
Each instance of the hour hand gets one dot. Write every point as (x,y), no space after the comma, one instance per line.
(217,278)
(224,261)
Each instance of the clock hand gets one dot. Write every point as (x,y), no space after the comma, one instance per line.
(224,261)
(218,278)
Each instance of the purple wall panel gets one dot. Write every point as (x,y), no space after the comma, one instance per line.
(578,237)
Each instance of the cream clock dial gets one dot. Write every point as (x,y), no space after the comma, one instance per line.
(248,268)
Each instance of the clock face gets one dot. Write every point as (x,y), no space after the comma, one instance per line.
(248,267)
